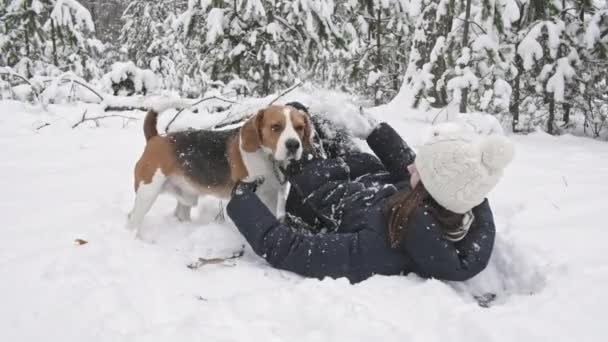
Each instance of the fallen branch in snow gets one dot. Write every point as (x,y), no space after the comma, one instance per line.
(42,126)
(287,91)
(97,118)
(216,261)
(179,112)
(15,75)
(87,87)
(67,78)
(124,109)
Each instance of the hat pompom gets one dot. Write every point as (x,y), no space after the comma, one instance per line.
(497,152)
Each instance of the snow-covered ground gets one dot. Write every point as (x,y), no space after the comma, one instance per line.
(549,270)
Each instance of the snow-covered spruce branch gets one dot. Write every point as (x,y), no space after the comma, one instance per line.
(97,118)
(179,112)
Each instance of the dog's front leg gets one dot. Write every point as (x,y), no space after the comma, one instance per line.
(282,201)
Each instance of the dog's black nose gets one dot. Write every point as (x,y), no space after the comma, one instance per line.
(292,145)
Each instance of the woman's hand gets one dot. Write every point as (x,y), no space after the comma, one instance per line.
(363,124)
(247,185)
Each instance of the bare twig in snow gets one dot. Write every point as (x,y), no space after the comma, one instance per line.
(216,261)
(220,215)
(87,87)
(229,123)
(179,112)
(97,118)
(287,91)
(42,126)
(124,109)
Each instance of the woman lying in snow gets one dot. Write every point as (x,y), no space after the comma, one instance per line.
(358,215)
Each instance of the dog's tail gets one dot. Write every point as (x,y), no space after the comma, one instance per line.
(156,107)
(150,130)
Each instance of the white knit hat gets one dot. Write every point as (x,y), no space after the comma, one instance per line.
(459,168)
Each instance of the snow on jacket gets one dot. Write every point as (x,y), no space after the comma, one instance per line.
(344,199)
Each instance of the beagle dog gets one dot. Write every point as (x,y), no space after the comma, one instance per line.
(195,163)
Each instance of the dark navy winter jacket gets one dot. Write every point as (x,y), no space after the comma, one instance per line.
(344,199)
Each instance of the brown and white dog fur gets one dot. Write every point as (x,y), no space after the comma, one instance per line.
(194,163)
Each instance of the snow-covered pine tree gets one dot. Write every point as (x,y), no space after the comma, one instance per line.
(592,99)
(492,56)
(474,55)
(24,40)
(70,29)
(149,38)
(311,41)
(199,28)
(258,46)
(377,35)
(423,85)
(548,51)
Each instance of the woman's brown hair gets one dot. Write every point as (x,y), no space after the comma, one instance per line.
(401,206)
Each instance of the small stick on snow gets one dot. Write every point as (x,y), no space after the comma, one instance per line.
(220,215)
(96,118)
(216,261)
(287,91)
(195,104)
(42,126)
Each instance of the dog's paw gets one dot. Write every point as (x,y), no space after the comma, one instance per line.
(131,225)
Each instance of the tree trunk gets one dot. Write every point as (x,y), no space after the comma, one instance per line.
(465,43)
(566,118)
(514,106)
(94,14)
(449,19)
(378,53)
(54,39)
(539,9)
(266,80)
(27,43)
(551,114)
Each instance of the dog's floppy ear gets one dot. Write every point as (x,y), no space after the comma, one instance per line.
(308,135)
(251,138)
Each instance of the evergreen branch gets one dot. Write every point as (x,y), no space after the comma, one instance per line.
(195,104)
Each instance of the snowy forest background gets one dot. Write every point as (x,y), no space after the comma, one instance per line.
(536,63)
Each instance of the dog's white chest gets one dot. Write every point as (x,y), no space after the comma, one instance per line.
(270,192)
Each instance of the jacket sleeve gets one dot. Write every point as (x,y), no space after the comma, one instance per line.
(436,257)
(392,151)
(287,248)
(318,173)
